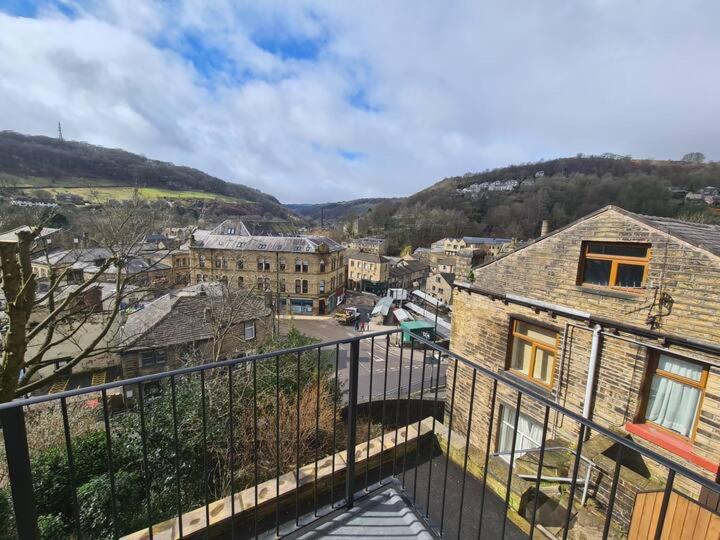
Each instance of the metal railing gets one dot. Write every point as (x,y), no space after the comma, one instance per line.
(284,413)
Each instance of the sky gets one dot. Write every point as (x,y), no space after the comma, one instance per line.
(315,101)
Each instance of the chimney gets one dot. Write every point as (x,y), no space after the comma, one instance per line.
(545,227)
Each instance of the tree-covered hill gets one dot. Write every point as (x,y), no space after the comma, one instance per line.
(43,162)
(512,201)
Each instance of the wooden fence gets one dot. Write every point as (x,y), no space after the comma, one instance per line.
(685,519)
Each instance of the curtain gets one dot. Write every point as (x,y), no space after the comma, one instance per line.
(673,404)
(529,433)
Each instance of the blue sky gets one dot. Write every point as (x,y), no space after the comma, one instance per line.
(319,101)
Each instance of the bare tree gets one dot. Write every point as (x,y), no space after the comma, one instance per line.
(59,315)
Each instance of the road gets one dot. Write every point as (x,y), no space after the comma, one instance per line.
(372,370)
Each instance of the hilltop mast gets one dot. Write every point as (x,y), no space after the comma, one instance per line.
(60,137)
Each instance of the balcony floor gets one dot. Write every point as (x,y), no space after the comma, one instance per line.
(382,515)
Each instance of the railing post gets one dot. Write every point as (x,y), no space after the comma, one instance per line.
(353,371)
(18,462)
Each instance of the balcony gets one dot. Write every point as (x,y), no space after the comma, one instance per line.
(258,447)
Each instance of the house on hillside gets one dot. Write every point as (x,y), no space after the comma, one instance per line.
(638,298)
(408,273)
(196,324)
(367,272)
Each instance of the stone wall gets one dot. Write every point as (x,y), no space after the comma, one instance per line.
(548,271)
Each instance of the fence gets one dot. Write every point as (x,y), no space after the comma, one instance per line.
(266,435)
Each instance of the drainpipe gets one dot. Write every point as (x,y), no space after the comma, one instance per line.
(594,349)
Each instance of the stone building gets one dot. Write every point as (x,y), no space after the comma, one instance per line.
(647,289)
(366,245)
(196,324)
(439,286)
(367,271)
(408,273)
(305,274)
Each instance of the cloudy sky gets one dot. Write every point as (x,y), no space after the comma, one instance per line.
(317,101)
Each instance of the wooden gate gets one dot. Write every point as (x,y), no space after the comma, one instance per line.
(685,519)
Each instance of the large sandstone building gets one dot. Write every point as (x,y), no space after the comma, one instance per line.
(305,274)
(647,289)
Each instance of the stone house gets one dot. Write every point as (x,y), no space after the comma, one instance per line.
(366,245)
(367,271)
(196,324)
(306,274)
(408,273)
(647,290)
(439,286)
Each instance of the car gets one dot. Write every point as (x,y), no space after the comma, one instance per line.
(347,316)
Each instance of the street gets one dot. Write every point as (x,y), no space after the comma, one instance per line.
(372,370)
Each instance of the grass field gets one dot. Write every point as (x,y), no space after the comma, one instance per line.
(100,190)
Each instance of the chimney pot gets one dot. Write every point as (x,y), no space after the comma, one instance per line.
(545,227)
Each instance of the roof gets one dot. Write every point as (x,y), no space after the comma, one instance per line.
(383,306)
(74,256)
(233,235)
(367,257)
(408,266)
(485,240)
(447,276)
(700,235)
(416,325)
(11,236)
(177,318)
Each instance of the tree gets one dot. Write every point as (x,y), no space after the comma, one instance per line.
(34,324)
(405,251)
(694,157)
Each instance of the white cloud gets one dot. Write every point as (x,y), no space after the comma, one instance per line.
(413,91)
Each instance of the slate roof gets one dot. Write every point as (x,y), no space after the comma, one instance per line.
(485,240)
(177,318)
(367,257)
(449,277)
(222,237)
(701,235)
(11,236)
(405,267)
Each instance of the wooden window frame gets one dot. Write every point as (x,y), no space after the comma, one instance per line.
(652,369)
(534,345)
(615,261)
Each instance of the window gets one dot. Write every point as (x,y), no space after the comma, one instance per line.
(241,282)
(614,264)
(282,265)
(532,351)
(201,261)
(281,285)
(352,263)
(224,262)
(322,286)
(332,283)
(304,286)
(529,433)
(198,278)
(218,262)
(298,265)
(239,264)
(675,387)
(332,264)
(153,358)
(322,266)
(260,264)
(266,284)
(298,286)
(305,266)
(250,330)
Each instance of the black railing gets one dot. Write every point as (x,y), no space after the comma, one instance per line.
(208,449)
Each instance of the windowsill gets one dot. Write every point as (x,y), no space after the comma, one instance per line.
(613,293)
(676,445)
(529,384)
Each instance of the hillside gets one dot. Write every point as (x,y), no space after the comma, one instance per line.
(512,201)
(336,210)
(37,162)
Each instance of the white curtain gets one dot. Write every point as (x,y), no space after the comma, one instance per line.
(672,404)
(529,433)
